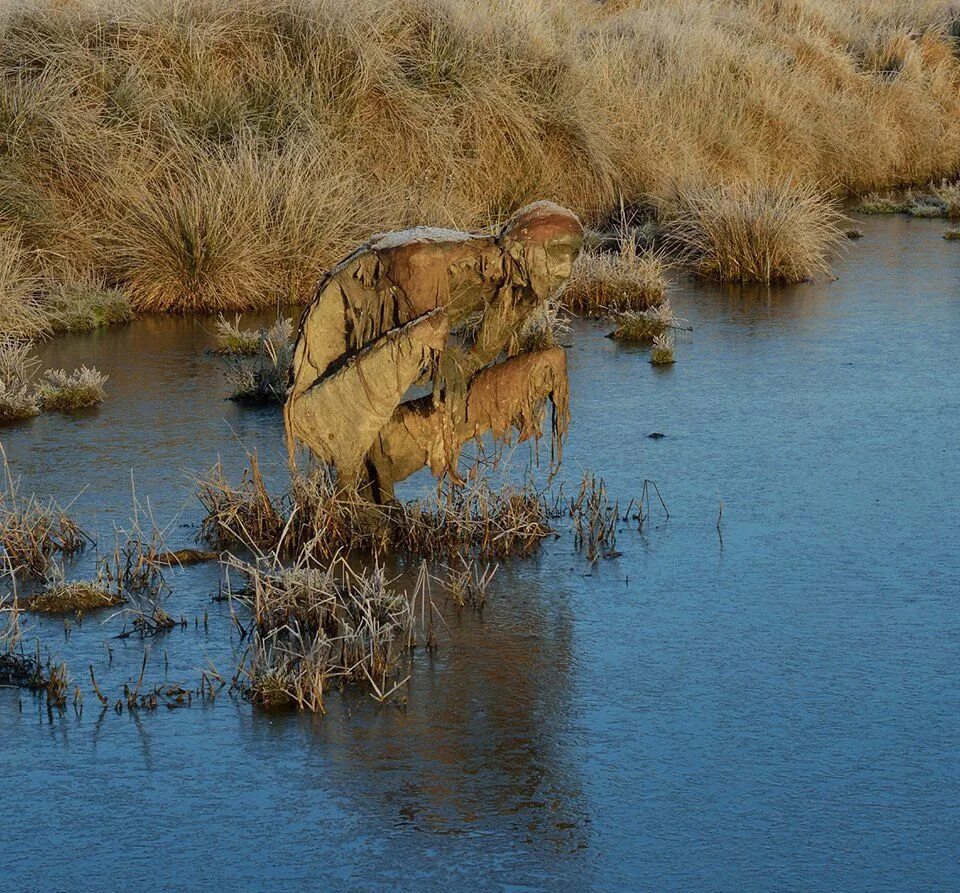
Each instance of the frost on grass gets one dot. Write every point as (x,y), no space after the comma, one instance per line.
(645,325)
(18,399)
(86,305)
(259,360)
(662,351)
(315,627)
(605,283)
(65,391)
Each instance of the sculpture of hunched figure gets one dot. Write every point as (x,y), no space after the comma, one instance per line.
(430,307)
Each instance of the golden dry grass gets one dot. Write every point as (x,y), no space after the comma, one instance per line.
(216,155)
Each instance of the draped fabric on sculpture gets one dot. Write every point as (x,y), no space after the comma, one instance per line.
(432,309)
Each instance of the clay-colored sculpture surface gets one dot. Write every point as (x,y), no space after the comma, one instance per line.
(394,315)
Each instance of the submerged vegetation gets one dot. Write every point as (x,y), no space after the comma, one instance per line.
(218,155)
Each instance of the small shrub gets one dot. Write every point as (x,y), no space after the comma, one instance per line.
(755,232)
(65,392)
(31,532)
(662,352)
(604,283)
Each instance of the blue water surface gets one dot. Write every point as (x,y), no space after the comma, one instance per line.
(760,699)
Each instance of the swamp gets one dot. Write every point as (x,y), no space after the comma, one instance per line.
(753,689)
(500,446)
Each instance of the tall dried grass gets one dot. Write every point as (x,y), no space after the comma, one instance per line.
(750,232)
(217,155)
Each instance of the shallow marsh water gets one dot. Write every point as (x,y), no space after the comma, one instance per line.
(771,705)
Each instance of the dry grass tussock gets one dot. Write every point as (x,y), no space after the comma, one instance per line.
(604,283)
(217,155)
(755,233)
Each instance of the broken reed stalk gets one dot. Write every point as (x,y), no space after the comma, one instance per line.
(594,518)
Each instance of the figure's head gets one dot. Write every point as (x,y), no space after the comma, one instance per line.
(546,240)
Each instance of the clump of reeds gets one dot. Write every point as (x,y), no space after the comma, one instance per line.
(466,583)
(475,518)
(661,354)
(594,518)
(952,235)
(317,626)
(29,671)
(645,325)
(259,371)
(329,518)
(245,515)
(66,392)
(603,283)
(18,397)
(755,232)
(323,518)
(31,532)
(139,558)
(85,305)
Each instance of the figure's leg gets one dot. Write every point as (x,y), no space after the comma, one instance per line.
(339,416)
(509,396)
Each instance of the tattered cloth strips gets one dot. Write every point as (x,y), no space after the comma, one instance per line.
(381,322)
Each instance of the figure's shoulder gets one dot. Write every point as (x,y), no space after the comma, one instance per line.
(420,235)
